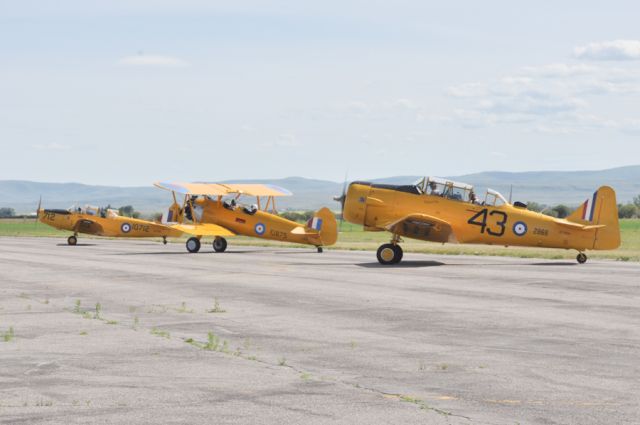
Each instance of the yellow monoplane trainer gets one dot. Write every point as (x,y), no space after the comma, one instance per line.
(103,222)
(439,210)
(212,209)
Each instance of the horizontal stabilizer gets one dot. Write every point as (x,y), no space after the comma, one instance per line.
(580,226)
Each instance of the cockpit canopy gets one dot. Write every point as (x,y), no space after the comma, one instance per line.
(92,210)
(457,191)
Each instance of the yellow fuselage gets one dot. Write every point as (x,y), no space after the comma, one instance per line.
(105,226)
(260,224)
(375,207)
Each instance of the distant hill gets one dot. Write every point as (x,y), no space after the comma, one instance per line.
(549,187)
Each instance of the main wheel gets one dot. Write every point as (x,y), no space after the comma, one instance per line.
(219,244)
(193,245)
(399,253)
(582,258)
(72,240)
(389,254)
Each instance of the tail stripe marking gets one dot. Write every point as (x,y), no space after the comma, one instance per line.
(316,223)
(588,208)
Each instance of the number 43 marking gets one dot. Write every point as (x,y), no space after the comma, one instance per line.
(480,219)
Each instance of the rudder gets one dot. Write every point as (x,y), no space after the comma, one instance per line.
(324,222)
(600,209)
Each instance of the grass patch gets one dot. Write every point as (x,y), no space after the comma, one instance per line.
(160,333)
(183,308)
(9,335)
(216,307)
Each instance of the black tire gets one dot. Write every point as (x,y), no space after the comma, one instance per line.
(219,244)
(389,254)
(320,249)
(164,240)
(582,258)
(72,240)
(193,245)
(399,254)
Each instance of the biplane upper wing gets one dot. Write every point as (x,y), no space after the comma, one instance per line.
(257,189)
(208,189)
(205,229)
(221,189)
(424,227)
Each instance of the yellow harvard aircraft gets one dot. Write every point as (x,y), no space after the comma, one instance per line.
(103,222)
(440,210)
(212,209)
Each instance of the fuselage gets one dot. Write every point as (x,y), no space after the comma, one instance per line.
(116,226)
(259,224)
(375,206)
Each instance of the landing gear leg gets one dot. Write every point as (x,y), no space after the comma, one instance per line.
(319,249)
(582,258)
(164,240)
(72,240)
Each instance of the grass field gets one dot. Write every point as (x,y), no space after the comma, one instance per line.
(353,238)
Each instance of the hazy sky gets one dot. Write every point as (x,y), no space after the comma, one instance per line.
(132,91)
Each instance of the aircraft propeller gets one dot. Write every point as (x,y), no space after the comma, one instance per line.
(342,198)
(38,210)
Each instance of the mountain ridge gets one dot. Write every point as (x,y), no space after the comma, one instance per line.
(548,187)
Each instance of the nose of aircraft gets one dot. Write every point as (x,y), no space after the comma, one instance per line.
(355,202)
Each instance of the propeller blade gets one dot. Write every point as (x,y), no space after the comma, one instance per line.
(342,198)
(38,210)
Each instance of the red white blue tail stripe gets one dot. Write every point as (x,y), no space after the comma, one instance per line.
(316,223)
(588,207)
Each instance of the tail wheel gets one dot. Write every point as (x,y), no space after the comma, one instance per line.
(164,240)
(193,245)
(72,240)
(389,254)
(219,244)
(582,258)
(319,249)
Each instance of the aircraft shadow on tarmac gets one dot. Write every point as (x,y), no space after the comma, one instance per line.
(73,246)
(186,253)
(403,264)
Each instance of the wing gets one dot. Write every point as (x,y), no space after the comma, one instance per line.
(206,229)
(423,227)
(257,189)
(221,189)
(88,226)
(208,189)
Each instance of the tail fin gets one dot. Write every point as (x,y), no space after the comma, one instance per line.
(324,222)
(600,209)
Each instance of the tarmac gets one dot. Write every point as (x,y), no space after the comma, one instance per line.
(291,336)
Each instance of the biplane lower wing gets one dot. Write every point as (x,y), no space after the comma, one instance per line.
(423,227)
(205,229)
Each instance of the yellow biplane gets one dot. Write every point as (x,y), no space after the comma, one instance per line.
(103,222)
(213,209)
(439,210)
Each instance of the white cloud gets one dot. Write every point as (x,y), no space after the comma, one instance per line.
(556,70)
(51,147)
(610,50)
(153,61)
